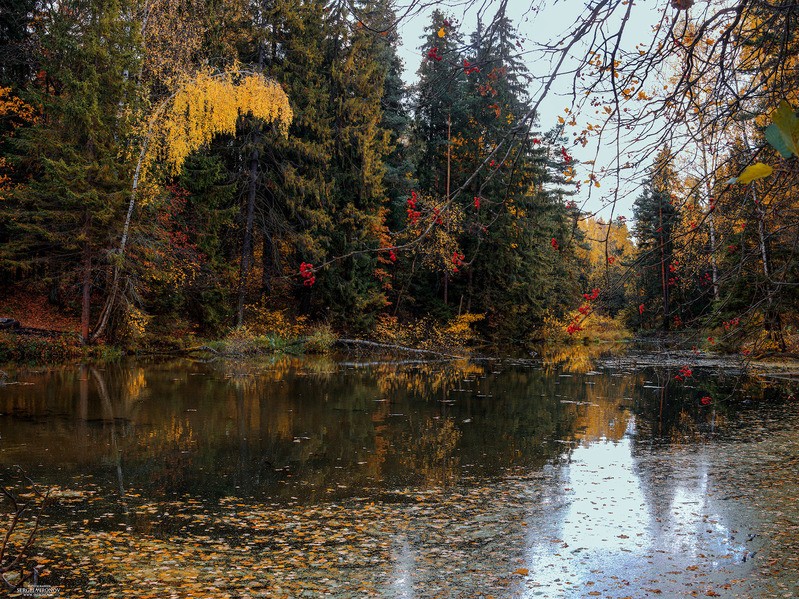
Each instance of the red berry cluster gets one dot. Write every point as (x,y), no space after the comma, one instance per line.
(433,54)
(590,297)
(685,373)
(477,202)
(457,261)
(731,324)
(306,272)
(573,328)
(413,213)
(469,68)
(583,311)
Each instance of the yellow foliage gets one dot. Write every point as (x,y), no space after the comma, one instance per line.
(754,172)
(459,330)
(136,323)
(264,321)
(11,106)
(210,104)
(386,328)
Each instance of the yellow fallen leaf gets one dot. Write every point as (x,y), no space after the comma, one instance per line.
(522,571)
(755,171)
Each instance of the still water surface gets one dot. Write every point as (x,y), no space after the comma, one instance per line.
(310,477)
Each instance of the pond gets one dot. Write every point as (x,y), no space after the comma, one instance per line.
(301,477)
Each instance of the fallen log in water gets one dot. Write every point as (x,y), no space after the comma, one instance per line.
(374,345)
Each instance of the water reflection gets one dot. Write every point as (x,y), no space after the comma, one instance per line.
(286,428)
(592,480)
(309,428)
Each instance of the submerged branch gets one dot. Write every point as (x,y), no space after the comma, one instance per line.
(392,347)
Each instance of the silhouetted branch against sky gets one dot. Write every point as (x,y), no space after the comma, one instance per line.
(621,79)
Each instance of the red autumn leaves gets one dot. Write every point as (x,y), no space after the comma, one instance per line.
(434,54)
(685,373)
(584,310)
(306,272)
(413,213)
(457,261)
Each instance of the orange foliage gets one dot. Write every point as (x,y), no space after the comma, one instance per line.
(33,310)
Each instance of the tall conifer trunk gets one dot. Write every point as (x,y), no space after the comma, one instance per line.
(86,295)
(246,246)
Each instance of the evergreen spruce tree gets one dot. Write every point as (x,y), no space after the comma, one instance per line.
(656,219)
(357,201)
(60,223)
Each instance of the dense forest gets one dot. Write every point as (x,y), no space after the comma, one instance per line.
(185,168)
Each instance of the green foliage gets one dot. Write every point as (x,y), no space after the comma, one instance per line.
(656,220)
(783,133)
(226,235)
(320,340)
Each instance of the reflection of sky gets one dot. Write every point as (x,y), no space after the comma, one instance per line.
(404,563)
(600,521)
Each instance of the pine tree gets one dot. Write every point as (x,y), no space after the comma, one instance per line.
(60,223)
(351,286)
(656,220)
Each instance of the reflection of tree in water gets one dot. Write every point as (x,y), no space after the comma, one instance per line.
(576,357)
(670,410)
(430,451)
(426,379)
(311,429)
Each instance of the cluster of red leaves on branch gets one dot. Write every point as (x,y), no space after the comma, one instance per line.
(457,260)
(583,311)
(486,89)
(706,400)
(554,243)
(731,324)
(437,216)
(306,272)
(470,68)
(566,157)
(477,202)
(590,297)
(434,54)
(641,309)
(413,213)
(685,373)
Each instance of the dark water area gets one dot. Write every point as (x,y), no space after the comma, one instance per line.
(450,479)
